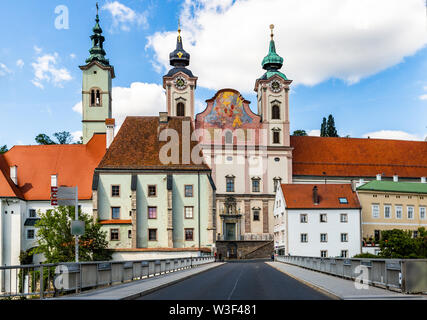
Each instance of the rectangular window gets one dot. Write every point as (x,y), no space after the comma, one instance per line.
(152,234)
(115,191)
(323,217)
(130,234)
(344,237)
(188,190)
(343,217)
(188,212)
(230,184)
(152,190)
(256,215)
(415,234)
(189,234)
(304,237)
(375,211)
(398,212)
(32,213)
(377,235)
(276,137)
(114,234)
(422,213)
(410,212)
(255,185)
(303,218)
(30,234)
(387,211)
(115,212)
(152,212)
(344,253)
(323,237)
(323,253)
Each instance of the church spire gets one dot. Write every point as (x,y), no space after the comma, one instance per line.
(97,52)
(272,61)
(179,57)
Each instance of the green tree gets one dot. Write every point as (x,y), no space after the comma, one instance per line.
(400,244)
(44,139)
(63,137)
(3,149)
(323,132)
(299,133)
(330,127)
(58,245)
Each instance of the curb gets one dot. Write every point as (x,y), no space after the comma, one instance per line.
(148,291)
(309,284)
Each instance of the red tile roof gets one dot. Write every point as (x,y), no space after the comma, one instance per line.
(300,196)
(74,164)
(7,187)
(355,157)
(137,145)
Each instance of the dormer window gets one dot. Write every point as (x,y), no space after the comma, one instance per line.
(95,97)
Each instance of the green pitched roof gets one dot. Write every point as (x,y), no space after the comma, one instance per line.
(391,186)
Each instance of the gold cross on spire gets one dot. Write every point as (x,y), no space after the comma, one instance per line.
(271,27)
(179,31)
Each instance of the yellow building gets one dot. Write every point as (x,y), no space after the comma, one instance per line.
(390,205)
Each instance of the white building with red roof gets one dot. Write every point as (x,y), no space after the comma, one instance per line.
(317,220)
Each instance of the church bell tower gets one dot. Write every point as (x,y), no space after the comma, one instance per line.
(180,83)
(273,98)
(97,85)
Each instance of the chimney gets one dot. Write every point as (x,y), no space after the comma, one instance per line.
(163,117)
(353,185)
(53,180)
(110,124)
(315,195)
(14,174)
(395,178)
(379,177)
(423,180)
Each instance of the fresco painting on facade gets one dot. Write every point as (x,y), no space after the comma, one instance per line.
(228,111)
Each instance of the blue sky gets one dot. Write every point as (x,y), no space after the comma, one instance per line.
(368,71)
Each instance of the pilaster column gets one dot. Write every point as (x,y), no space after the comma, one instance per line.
(265,216)
(247,216)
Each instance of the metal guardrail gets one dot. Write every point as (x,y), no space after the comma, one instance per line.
(405,275)
(247,237)
(63,278)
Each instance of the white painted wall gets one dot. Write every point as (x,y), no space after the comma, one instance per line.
(333,228)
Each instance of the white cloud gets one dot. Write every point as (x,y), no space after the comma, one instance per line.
(45,70)
(124,17)
(392,134)
(72,55)
(38,50)
(20,63)
(423,97)
(318,40)
(76,135)
(315,133)
(140,99)
(4,70)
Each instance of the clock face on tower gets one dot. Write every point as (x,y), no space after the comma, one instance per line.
(275,86)
(180,83)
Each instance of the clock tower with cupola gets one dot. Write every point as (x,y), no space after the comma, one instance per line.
(273,98)
(180,83)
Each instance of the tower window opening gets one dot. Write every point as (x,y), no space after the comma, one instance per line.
(276,137)
(228,137)
(275,112)
(98,98)
(92,97)
(180,109)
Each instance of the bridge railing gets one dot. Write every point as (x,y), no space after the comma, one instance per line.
(405,275)
(39,281)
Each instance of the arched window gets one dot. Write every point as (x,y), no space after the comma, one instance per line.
(275,112)
(95,97)
(180,109)
(228,137)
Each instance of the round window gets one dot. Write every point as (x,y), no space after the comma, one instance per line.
(277,159)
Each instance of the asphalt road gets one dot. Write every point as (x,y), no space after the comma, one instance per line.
(248,280)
